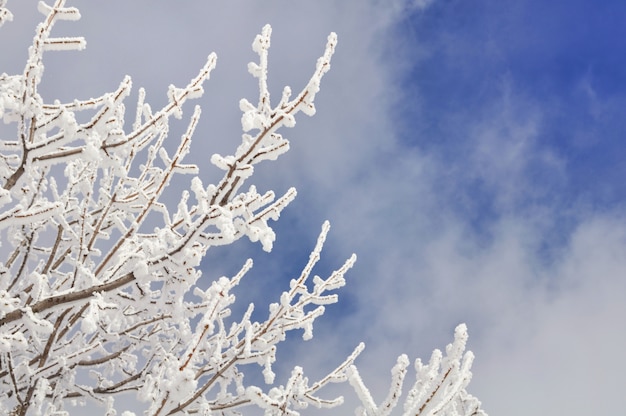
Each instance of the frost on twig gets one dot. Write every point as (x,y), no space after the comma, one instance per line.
(99,275)
(439,388)
(87,288)
(5,14)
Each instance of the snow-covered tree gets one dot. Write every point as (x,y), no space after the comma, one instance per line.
(99,275)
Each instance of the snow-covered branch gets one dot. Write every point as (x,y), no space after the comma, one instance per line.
(99,274)
(439,388)
(5,14)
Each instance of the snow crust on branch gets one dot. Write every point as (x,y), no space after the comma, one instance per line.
(5,14)
(439,388)
(99,290)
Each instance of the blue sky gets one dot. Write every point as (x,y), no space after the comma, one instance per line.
(565,58)
(470,152)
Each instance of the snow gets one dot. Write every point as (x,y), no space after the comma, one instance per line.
(100,274)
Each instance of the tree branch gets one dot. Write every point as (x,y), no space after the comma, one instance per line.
(67,298)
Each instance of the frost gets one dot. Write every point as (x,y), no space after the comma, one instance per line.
(65,44)
(5,14)
(7,303)
(100,290)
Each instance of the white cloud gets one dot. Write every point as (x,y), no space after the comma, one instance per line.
(562,354)
(422,4)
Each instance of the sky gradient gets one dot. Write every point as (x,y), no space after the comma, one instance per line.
(471,153)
